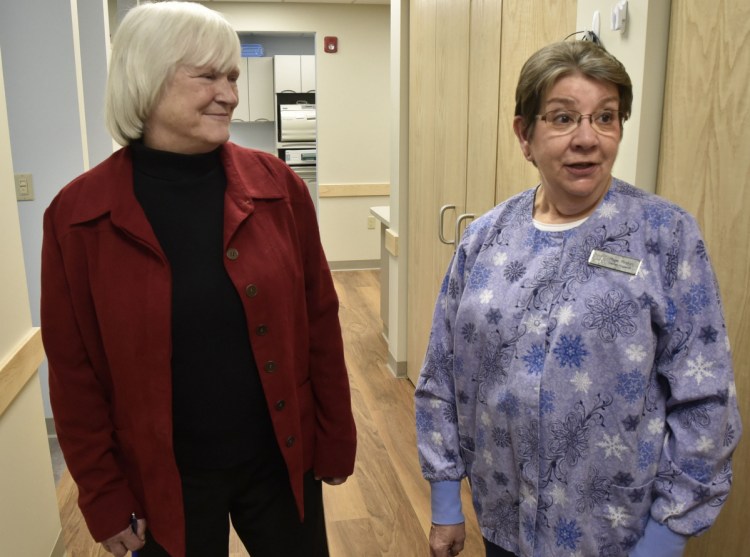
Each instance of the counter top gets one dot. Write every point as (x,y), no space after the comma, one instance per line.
(382,213)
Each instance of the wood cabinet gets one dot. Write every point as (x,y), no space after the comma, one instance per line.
(705,168)
(464,63)
(255,90)
(294,73)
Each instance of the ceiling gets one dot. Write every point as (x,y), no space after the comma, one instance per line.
(309,1)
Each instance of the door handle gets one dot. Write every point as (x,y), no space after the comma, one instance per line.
(441,218)
(459,220)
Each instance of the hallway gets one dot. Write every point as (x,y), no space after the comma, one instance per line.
(384,508)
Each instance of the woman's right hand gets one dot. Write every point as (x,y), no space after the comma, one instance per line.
(127,540)
(447,540)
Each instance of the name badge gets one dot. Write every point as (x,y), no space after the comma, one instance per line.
(614,262)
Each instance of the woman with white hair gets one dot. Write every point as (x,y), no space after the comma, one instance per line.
(189,316)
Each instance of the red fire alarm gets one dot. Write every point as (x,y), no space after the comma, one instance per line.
(331,44)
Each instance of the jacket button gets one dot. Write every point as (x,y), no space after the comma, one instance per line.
(251,290)
(280,405)
(261,330)
(269,366)
(290,441)
(232,254)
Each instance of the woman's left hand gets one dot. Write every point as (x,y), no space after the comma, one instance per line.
(332,481)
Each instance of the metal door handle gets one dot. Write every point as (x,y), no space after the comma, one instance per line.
(459,220)
(441,218)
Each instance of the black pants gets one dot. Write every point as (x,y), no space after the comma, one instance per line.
(496,551)
(262,509)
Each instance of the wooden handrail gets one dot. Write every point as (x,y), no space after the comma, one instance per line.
(19,366)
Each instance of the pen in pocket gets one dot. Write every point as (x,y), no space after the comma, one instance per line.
(134,528)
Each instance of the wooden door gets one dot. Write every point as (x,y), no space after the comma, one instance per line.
(438,109)
(704,167)
(527,27)
(464,63)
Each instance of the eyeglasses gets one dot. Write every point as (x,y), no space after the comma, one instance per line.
(562,122)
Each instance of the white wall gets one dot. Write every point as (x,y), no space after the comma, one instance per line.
(29,520)
(43,116)
(353,108)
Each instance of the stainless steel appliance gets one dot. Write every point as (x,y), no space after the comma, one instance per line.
(297,122)
(303,159)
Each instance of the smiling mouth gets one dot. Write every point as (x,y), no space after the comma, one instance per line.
(581,165)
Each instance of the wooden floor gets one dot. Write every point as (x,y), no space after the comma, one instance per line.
(384,508)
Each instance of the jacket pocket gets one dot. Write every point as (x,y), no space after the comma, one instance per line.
(621,519)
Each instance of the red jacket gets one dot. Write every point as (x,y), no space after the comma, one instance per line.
(106,326)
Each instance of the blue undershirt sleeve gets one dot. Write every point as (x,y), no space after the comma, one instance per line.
(659,541)
(446,502)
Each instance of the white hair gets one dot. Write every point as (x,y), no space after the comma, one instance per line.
(152,41)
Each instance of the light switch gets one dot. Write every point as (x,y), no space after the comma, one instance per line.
(24,187)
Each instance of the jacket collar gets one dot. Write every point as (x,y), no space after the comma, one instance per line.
(111,190)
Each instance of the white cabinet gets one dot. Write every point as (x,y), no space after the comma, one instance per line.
(307,73)
(294,73)
(255,90)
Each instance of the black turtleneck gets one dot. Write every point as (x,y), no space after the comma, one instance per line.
(220,414)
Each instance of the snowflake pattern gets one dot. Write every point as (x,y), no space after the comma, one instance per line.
(565,314)
(696,299)
(684,270)
(570,351)
(646,454)
(699,368)
(514,271)
(535,324)
(708,335)
(581,381)
(493,316)
(534,359)
(618,516)
(559,495)
(697,468)
(469,333)
(611,314)
(480,276)
(705,444)
(612,446)
(499,259)
(567,533)
(486,296)
(608,210)
(630,386)
(657,216)
(635,353)
(519,383)
(546,401)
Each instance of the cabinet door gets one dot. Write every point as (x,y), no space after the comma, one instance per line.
(439,85)
(307,73)
(286,73)
(464,63)
(242,112)
(260,89)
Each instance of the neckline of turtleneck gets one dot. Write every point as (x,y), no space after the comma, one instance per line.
(168,166)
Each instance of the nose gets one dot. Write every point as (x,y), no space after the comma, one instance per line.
(584,135)
(226,92)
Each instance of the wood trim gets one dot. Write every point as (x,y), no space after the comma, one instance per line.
(391,242)
(353,190)
(19,367)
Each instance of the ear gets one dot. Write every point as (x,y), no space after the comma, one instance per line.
(523,140)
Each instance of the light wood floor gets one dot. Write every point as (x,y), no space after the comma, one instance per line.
(384,508)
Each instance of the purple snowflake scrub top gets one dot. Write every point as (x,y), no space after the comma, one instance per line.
(580,400)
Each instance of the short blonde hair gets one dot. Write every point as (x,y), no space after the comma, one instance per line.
(152,41)
(552,62)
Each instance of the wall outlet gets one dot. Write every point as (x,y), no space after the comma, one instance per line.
(24,187)
(371,222)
